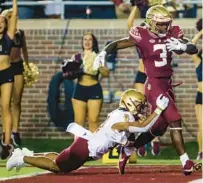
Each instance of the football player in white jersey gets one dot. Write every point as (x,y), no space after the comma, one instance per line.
(118,126)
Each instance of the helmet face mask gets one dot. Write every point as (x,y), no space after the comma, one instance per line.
(133,101)
(159,20)
(161,28)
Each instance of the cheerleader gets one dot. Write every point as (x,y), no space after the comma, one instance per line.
(87,98)
(19,46)
(7,34)
(197,60)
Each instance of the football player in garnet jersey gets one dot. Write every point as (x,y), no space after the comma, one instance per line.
(140,78)
(157,41)
(118,126)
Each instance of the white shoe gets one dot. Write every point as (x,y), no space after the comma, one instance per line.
(16,160)
(27,152)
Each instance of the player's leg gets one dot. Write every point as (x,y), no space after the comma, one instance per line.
(42,162)
(198,110)
(178,142)
(174,118)
(16,108)
(50,155)
(124,155)
(73,157)
(21,157)
(139,85)
(69,159)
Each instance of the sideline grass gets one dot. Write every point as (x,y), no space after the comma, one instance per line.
(168,155)
(23,171)
(47,145)
(28,170)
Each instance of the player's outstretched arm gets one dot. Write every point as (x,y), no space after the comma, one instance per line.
(162,103)
(118,44)
(110,48)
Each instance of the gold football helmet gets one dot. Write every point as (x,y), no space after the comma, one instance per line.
(133,101)
(158,20)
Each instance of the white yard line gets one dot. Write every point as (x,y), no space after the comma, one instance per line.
(24,176)
(30,175)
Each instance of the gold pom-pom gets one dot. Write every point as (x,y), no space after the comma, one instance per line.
(30,74)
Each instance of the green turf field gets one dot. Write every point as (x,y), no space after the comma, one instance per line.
(168,155)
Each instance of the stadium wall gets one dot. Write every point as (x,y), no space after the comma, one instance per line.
(44,39)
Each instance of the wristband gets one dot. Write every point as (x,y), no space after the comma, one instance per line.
(183,47)
(158,111)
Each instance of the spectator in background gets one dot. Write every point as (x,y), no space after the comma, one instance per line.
(88,97)
(197,59)
(19,44)
(53,10)
(122,8)
(7,34)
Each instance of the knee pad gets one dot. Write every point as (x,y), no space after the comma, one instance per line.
(158,133)
(175,125)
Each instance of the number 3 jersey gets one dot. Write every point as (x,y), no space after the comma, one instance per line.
(104,138)
(156,58)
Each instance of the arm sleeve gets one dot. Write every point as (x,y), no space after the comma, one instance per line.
(133,129)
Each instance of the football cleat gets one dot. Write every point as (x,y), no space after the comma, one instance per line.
(16,160)
(155,148)
(142,151)
(190,167)
(123,158)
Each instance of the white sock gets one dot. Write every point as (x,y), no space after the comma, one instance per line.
(183,158)
(129,150)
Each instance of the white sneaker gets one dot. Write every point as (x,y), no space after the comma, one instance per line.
(27,152)
(16,160)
